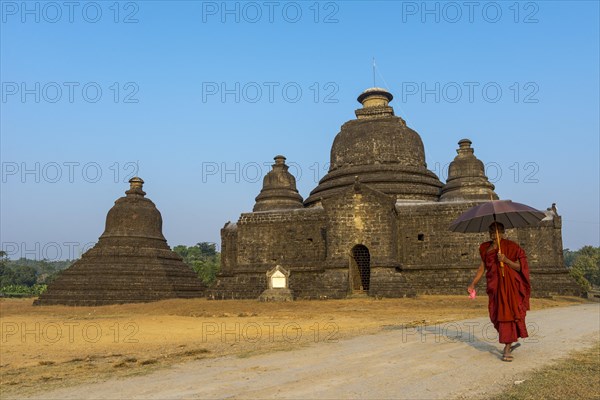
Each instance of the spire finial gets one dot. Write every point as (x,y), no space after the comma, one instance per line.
(135,187)
(136,182)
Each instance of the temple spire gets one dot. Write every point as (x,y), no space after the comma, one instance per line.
(279,189)
(466,177)
(375,103)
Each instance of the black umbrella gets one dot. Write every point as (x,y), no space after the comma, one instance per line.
(506,212)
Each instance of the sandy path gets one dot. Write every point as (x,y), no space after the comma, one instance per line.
(445,361)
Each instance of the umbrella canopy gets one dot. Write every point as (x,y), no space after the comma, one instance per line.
(508,213)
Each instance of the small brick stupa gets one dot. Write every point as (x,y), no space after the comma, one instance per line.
(131,262)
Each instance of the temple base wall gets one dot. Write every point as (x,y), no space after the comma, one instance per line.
(412,252)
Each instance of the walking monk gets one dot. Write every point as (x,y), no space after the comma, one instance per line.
(508,287)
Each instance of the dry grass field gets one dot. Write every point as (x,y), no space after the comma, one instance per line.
(578,377)
(55,346)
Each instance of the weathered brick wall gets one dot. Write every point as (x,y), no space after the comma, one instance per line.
(543,245)
(293,238)
(239,286)
(362,217)
(412,251)
(229,249)
(425,241)
(435,260)
(431,259)
(306,285)
(386,282)
(328,284)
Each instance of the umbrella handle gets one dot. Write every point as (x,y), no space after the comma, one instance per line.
(499,249)
(501,265)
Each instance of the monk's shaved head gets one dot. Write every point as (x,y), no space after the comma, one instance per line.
(495,225)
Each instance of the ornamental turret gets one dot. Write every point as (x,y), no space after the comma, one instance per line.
(279,189)
(466,177)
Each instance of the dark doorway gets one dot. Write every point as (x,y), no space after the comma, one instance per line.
(360,269)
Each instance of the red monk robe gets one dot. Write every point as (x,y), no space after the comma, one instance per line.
(508,294)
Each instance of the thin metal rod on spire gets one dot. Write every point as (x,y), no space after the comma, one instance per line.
(374,85)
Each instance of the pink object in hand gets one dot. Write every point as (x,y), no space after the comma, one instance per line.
(472,293)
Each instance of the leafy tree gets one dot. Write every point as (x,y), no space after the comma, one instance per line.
(585,266)
(25,275)
(588,263)
(48,279)
(580,279)
(569,257)
(207,249)
(7,275)
(203,258)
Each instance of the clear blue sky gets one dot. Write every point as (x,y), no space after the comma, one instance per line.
(200,96)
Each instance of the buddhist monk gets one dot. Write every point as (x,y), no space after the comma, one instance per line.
(508,287)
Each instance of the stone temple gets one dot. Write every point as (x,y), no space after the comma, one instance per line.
(377,224)
(131,262)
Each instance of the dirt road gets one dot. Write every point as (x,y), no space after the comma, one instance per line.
(451,360)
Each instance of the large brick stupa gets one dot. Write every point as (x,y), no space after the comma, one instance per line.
(131,262)
(378,222)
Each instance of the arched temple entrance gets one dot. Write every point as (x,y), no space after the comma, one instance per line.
(360,269)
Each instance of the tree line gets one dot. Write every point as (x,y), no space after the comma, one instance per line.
(30,277)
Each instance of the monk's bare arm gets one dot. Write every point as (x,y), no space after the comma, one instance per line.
(477,276)
(516,265)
